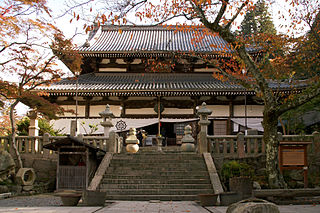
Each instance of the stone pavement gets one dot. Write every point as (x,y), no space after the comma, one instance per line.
(150,207)
(283,209)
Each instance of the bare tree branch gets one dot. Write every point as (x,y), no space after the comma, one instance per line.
(236,15)
(221,12)
(70,8)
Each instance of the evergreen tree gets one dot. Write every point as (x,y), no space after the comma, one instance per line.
(258,21)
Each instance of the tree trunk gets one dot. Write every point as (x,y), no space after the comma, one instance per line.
(13,134)
(283,126)
(270,136)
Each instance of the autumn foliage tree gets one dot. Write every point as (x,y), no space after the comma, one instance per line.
(304,60)
(221,17)
(26,55)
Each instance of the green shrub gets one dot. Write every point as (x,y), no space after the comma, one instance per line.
(44,125)
(235,169)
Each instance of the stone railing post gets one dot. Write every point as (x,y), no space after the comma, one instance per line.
(74,128)
(280,136)
(187,140)
(240,145)
(112,147)
(33,127)
(46,138)
(159,143)
(203,113)
(80,137)
(45,141)
(34,131)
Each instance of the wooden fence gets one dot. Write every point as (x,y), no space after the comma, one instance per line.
(242,146)
(72,177)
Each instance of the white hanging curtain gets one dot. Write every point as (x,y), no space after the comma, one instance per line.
(252,123)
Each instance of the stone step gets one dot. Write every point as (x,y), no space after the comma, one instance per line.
(155,161)
(155,174)
(155,169)
(161,156)
(178,155)
(164,151)
(155,186)
(157,191)
(176,148)
(153,197)
(156,181)
(155,177)
(195,164)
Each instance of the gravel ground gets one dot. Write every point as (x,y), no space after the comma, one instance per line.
(31,201)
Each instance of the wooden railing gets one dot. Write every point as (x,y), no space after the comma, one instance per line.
(242,146)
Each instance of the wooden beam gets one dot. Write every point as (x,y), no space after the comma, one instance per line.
(87,108)
(58,166)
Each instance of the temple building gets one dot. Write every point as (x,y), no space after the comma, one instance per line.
(152,78)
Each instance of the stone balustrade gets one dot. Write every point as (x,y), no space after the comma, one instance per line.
(243,146)
(33,145)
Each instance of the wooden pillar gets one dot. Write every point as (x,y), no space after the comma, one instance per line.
(231,110)
(123,107)
(58,166)
(87,168)
(159,114)
(87,107)
(195,100)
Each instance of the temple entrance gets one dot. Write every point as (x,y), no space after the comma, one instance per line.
(172,133)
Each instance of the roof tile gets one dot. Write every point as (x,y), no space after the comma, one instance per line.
(154,39)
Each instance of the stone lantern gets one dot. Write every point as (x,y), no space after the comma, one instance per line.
(187,140)
(132,141)
(203,112)
(106,120)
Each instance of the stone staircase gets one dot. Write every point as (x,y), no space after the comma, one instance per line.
(156,176)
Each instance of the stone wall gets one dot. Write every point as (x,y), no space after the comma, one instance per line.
(45,168)
(294,178)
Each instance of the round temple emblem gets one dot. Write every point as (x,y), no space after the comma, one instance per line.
(121,125)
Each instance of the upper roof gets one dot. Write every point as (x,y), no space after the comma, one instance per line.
(143,41)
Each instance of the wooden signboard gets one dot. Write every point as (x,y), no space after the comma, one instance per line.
(293,155)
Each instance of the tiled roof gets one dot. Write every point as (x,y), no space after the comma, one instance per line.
(145,40)
(145,84)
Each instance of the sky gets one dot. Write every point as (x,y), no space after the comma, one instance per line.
(70,29)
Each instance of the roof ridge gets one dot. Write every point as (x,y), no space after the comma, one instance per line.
(147,27)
